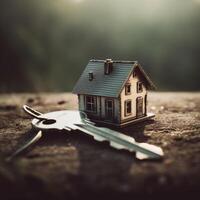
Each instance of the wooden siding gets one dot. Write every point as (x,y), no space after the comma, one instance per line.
(81,102)
(133,96)
(100,114)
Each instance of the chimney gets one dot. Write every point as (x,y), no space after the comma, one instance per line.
(108,66)
(91,76)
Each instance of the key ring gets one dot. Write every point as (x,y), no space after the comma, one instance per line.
(37,115)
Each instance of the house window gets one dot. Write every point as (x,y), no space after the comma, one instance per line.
(128,108)
(128,89)
(91,76)
(139,87)
(91,103)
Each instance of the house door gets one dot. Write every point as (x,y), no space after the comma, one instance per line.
(109,109)
(139,107)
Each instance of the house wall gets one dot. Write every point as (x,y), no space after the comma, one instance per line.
(81,102)
(100,114)
(133,96)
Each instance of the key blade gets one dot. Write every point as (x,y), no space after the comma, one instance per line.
(150,151)
(99,138)
(115,133)
(75,127)
(116,145)
(151,147)
(121,141)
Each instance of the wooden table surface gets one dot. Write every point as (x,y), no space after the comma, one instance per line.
(73,165)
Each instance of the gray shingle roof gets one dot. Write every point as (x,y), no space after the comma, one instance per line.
(104,85)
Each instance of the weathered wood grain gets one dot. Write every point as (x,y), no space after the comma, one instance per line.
(64,166)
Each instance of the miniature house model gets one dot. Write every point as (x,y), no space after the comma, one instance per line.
(114,92)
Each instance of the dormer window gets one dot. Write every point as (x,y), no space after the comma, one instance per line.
(127,89)
(139,87)
(91,76)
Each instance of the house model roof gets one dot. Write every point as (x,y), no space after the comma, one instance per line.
(112,84)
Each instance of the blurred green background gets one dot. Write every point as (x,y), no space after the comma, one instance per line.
(45,44)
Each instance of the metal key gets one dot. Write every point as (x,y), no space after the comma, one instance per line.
(77,120)
(47,121)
